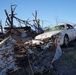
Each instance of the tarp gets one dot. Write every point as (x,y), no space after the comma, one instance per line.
(37,29)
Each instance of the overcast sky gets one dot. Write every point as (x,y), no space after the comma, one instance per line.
(52,11)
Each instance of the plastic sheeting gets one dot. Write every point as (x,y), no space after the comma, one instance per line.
(58,53)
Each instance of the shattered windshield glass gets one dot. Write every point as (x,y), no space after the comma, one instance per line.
(60,27)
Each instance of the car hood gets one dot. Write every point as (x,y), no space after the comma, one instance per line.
(47,35)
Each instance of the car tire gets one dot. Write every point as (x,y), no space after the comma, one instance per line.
(66,41)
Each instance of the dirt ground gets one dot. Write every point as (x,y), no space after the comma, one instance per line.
(66,64)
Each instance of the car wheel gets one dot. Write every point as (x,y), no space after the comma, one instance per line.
(66,41)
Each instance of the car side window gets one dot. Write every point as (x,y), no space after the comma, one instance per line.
(69,27)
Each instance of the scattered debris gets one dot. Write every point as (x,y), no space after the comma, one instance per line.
(35,55)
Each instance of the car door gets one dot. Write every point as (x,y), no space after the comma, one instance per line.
(73,32)
(70,31)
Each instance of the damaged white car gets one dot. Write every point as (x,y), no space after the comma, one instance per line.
(64,34)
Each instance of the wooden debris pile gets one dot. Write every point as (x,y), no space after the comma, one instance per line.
(33,59)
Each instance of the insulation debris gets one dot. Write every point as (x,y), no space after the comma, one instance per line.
(6,55)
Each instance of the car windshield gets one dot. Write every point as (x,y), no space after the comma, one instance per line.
(60,27)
